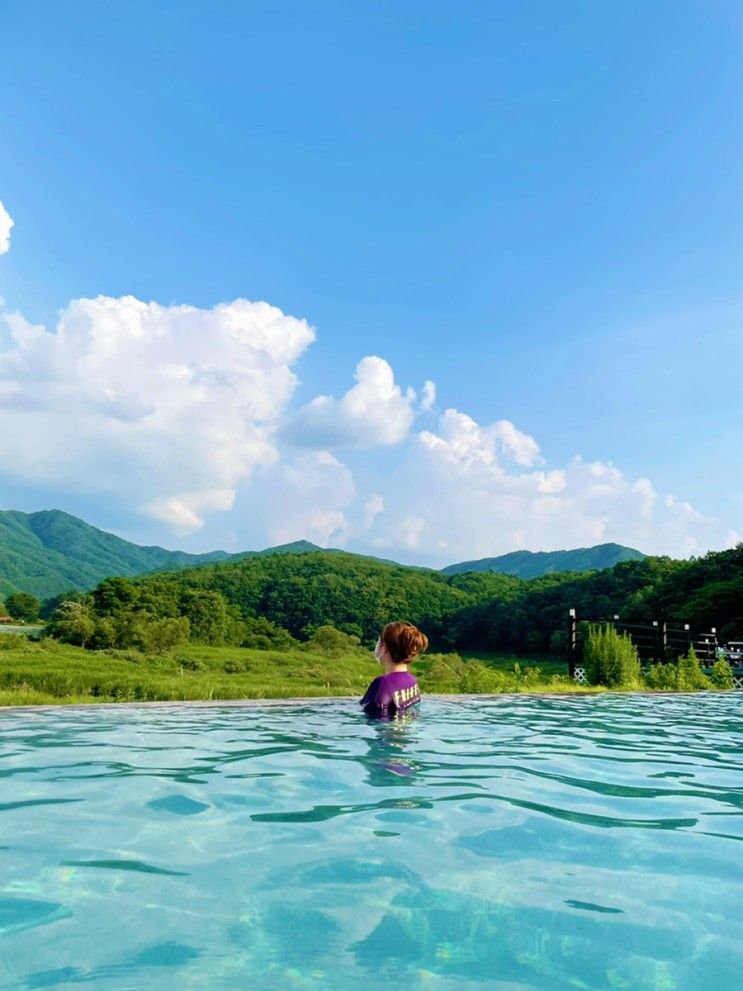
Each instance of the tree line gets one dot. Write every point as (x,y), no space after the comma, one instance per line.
(280,601)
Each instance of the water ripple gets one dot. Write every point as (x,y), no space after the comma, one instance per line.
(556,843)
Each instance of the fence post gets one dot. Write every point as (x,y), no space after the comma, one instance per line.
(658,655)
(572,642)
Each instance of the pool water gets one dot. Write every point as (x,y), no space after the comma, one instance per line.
(512,844)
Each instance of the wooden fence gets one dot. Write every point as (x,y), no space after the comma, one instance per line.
(655,642)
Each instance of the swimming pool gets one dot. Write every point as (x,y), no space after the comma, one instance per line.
(505,843)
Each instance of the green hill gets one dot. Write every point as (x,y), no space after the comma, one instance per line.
(49,552)
(480,611)
(534,564)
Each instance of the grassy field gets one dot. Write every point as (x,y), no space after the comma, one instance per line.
(48,672)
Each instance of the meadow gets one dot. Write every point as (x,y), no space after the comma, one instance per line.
(48,672)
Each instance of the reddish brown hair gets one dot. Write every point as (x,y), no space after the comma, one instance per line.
(403,641)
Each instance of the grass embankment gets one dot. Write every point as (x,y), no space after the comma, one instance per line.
(48,672)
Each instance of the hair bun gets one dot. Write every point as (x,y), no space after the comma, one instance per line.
(403,641)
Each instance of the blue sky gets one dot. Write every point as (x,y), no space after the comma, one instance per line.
(535,206)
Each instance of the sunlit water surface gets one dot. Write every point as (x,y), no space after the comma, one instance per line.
(502,843)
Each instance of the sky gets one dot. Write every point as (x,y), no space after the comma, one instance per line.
(430,281)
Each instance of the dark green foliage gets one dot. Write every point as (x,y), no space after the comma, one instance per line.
(611,658)
(295,594)
(683,675)
(48,552)
(162,635)
(73,623)
(23,606)
(334,643)
(262,634)
(721,675)
(530,564)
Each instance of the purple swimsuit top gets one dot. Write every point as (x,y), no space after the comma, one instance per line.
(391,693)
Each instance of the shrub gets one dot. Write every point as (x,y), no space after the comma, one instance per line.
(611,658)
(721,675)
(335,643)
(682,675)
(234,667)
(192,664)
(443,673)
(662,677)
(261,634)
(162,635)
(479,679)
(691,676)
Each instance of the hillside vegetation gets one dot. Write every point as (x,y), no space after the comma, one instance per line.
(50,552)
(535,564)
(276,601)
(52,673)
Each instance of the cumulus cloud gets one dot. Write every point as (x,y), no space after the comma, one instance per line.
(463,443)
(304,497)
(374,412)
(168,406)
(428,397)
(6,224)
(468,491)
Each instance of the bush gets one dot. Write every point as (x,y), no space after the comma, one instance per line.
(261,634)
(443,673)
(162,635)
(721,675)
(334,643)
(478,679)
(691,676)
(611,658)
(192,664)
(235,667)
(682,675)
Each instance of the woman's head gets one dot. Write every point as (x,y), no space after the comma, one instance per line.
(402,642)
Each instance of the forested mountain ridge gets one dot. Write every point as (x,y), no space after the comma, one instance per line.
(48,552)
(298,593)
(534,564)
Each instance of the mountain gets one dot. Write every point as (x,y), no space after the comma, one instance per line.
(49,552)
(534,564)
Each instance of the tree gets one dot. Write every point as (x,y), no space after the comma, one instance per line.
(611,658)
(114,594)
(162,635)
(22,605)
(72,623)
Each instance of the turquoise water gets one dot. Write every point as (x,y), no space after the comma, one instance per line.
(501,844)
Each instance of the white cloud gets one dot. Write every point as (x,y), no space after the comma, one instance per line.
(6,224)
(373,506)
(373,412)
(462,443)
(304,498)
(429,395)
(468,491)
(166,407)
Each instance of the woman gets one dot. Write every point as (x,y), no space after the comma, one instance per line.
(396,690)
